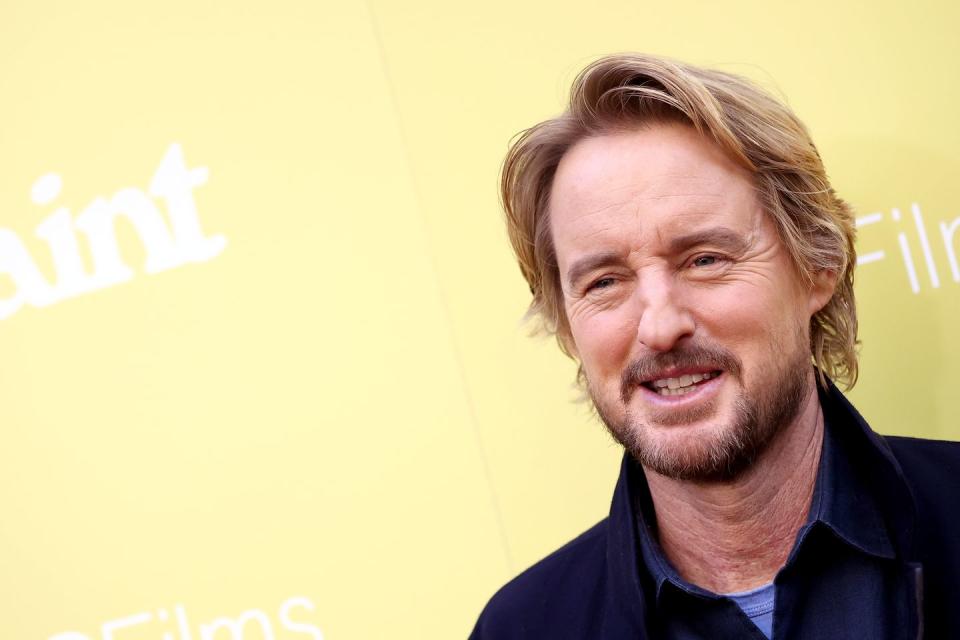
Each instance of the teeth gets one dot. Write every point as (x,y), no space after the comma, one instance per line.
(680,386)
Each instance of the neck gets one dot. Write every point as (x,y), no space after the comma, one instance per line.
(734,536)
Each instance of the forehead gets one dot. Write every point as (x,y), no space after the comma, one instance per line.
(641,186)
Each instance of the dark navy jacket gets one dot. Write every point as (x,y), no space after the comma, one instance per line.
(879,558)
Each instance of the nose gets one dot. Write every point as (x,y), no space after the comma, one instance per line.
(665,318)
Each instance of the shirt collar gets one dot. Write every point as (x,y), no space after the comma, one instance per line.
(655,560)
(843,501)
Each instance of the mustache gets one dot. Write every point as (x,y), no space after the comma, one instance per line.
(693,355)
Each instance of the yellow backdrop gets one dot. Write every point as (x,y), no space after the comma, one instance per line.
(264,375)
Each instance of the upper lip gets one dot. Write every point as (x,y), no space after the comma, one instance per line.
(676,372)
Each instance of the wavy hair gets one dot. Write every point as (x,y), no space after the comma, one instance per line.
(760,133)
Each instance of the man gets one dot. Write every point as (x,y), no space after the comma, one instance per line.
(681,239)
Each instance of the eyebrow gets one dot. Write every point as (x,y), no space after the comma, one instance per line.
(720,237)
(587,264)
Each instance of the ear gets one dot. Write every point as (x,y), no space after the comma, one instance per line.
(823,287)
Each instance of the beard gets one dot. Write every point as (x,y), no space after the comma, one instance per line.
(718,452)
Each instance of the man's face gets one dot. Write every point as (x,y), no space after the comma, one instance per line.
(687,314)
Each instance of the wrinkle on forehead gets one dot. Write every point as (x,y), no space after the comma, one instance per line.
(587,197)
(641,223)
(631,192)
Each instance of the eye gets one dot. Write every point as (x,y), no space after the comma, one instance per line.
(602,283)
(706,260)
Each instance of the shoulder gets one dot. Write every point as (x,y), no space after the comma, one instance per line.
(927,464)
(550,598)
(932,471)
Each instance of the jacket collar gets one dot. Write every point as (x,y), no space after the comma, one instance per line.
(843,500)
(628,579)
(867,457)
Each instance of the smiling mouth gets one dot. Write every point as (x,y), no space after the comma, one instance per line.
(680,385)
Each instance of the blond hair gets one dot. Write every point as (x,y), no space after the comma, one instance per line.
(757,131)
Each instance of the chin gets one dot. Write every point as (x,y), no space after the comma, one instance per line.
(709,445)
(716,430)
(708,452)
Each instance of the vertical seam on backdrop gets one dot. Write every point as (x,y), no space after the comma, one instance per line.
(458,358)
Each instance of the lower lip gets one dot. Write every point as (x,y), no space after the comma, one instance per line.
(700,392)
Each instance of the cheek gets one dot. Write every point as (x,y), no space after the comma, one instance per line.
(744,319)
(604,341)
(760,325)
